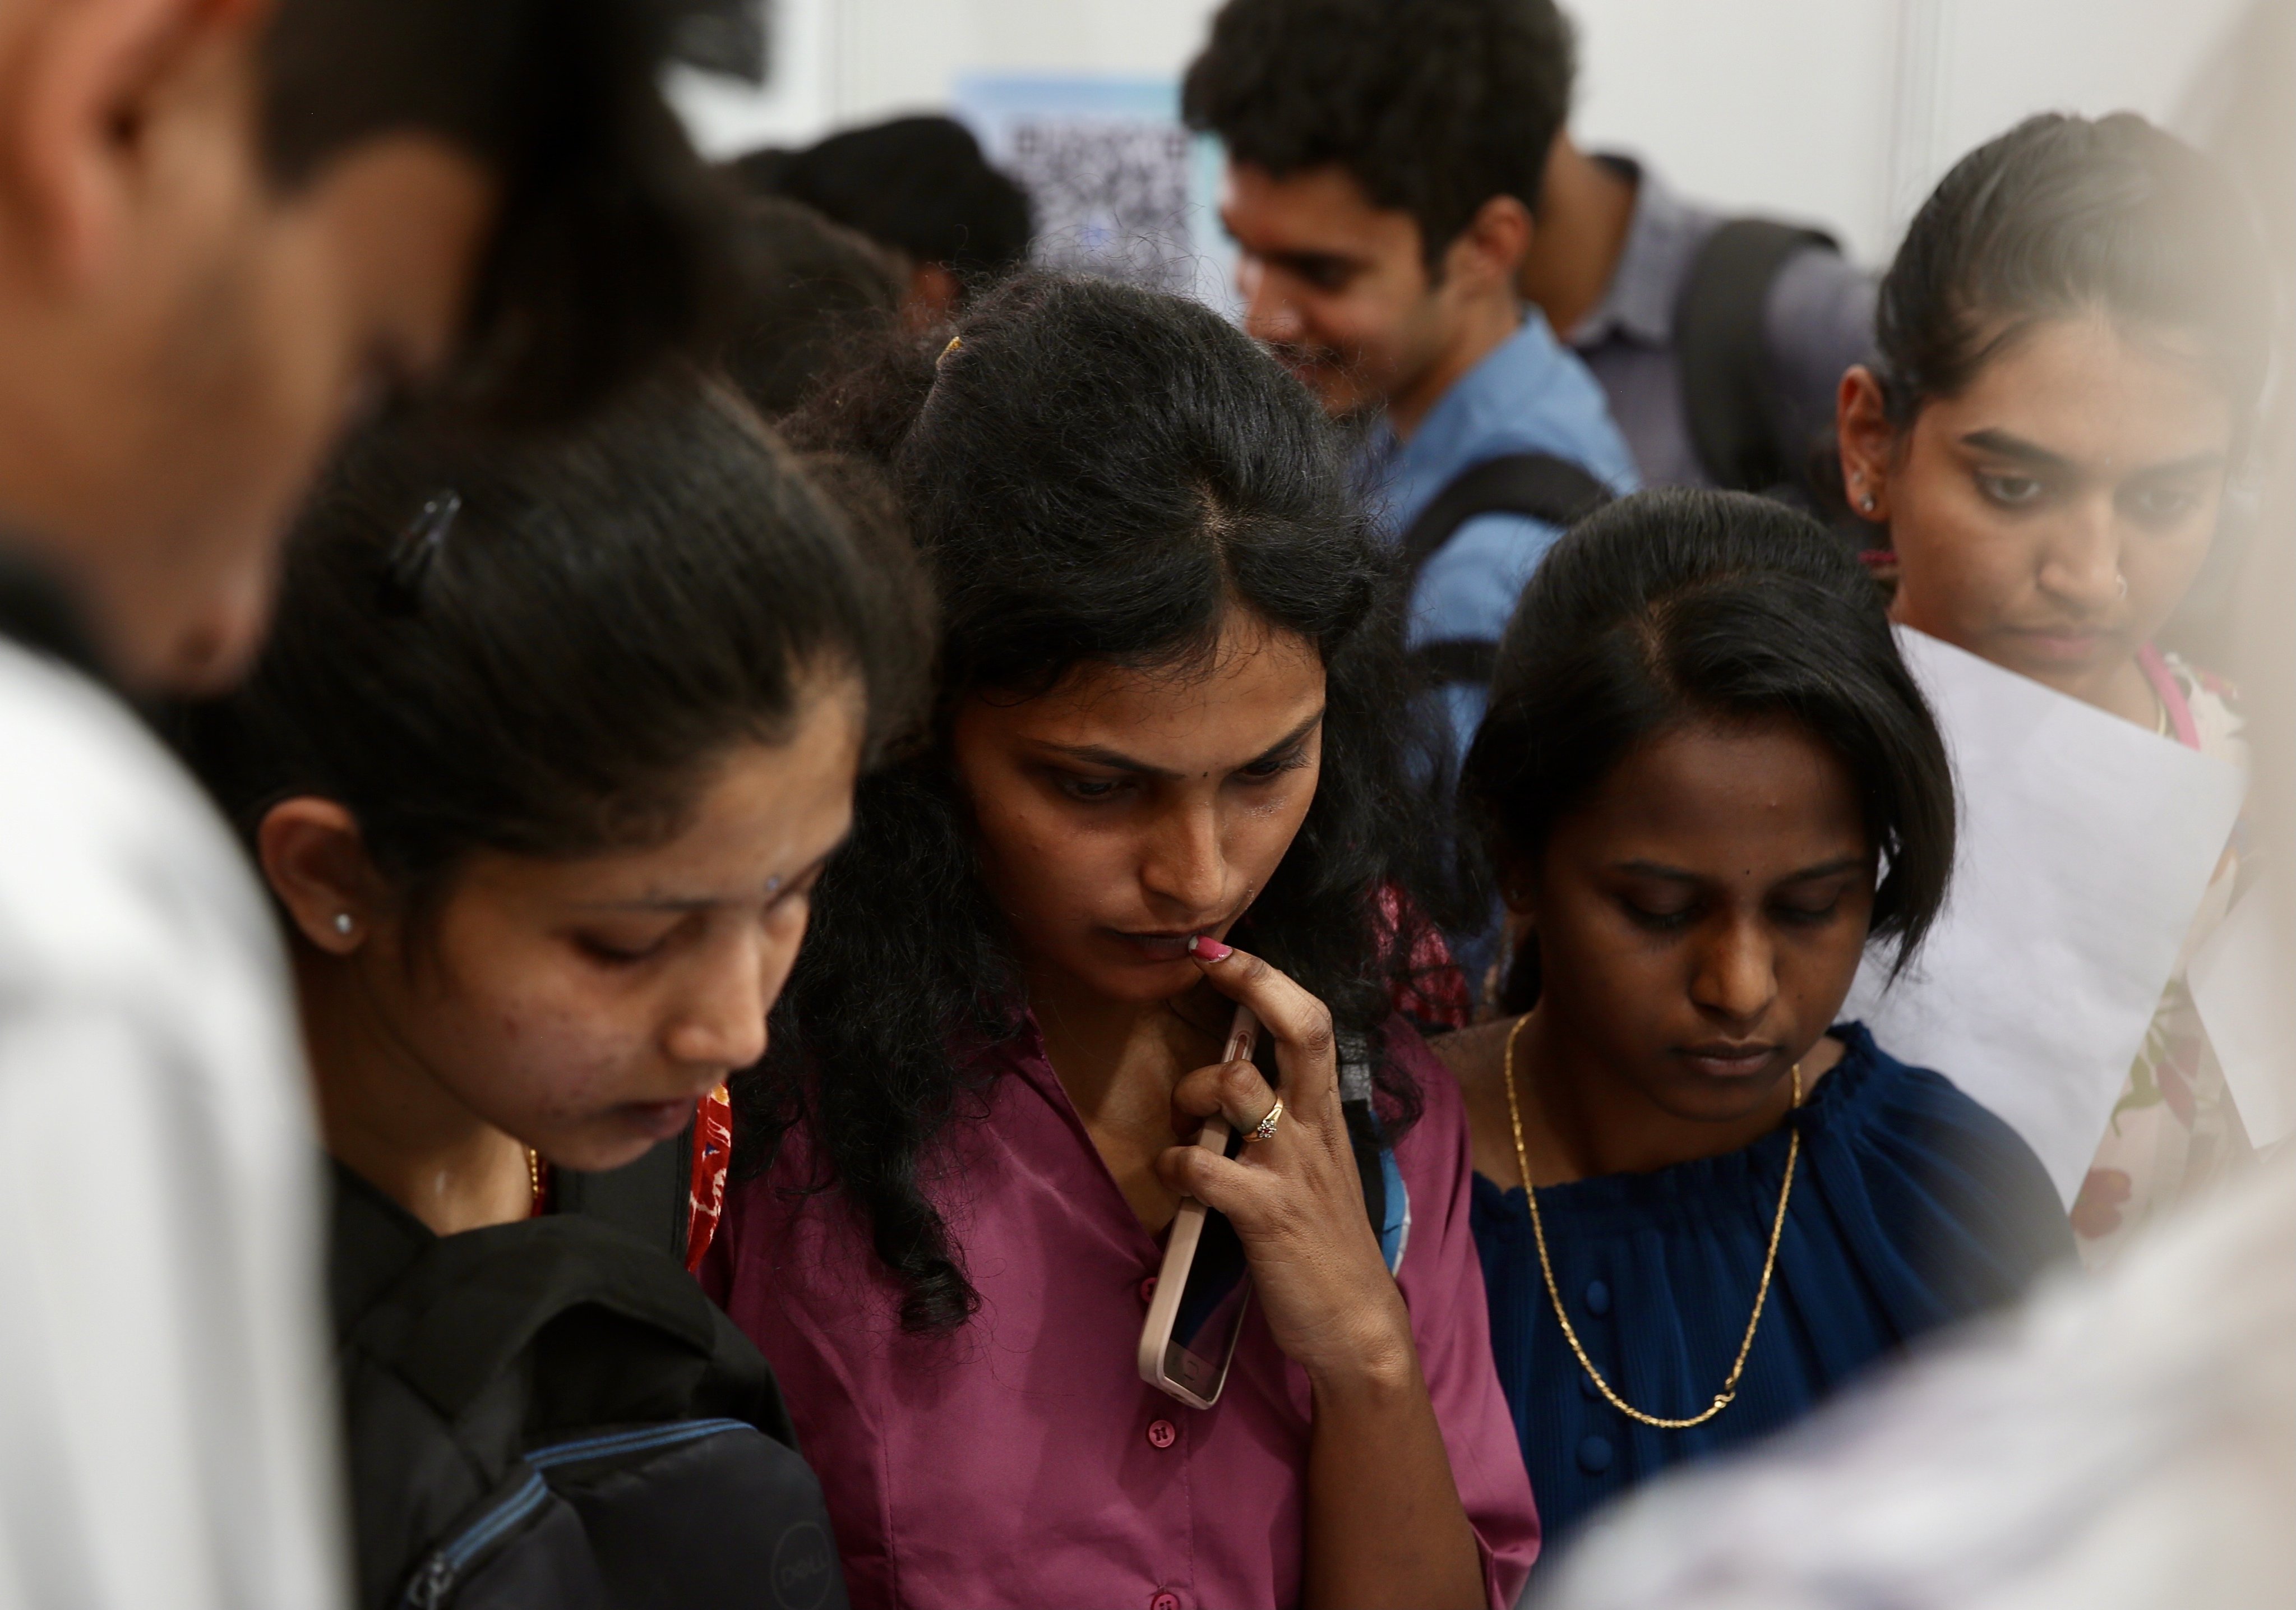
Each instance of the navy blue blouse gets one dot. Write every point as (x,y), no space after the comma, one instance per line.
(1913,1206)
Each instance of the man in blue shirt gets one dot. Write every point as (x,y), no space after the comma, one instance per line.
(1384,159)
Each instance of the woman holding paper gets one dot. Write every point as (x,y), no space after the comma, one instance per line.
(1706,780)
(2071,345)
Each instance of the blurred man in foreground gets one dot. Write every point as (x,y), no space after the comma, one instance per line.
(229,230)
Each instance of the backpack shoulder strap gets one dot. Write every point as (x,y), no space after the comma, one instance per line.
(1386,1199)
(647,1199)
(1536,485)
(1718,340)
(462,1313)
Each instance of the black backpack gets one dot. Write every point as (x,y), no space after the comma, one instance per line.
(1538,485)
(1719,342)
(551,1416)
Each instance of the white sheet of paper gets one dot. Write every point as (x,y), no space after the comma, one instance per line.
(2240,982)
(2086,844)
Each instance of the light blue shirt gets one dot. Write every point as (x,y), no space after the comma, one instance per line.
(1530,395)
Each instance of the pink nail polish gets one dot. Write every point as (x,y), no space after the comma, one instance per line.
(1204,947)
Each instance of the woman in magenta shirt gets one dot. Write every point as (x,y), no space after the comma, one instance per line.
(1169,724)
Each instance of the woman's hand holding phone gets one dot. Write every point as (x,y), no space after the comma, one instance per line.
(1385,1523)
(1296,1200)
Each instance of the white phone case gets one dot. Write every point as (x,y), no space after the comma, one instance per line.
(1180,1254)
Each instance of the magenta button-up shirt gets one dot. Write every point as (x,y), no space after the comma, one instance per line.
(1022,1462)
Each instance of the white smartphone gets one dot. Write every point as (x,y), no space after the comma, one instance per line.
(1197,1311)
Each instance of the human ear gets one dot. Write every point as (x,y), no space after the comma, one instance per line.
(315,859)
(931,298)
(88,78)
(1867,442)
(1518,890)
(1490,249)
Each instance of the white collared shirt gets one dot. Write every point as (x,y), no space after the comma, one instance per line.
(166,1434)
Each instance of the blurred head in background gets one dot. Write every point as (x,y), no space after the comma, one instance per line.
(230,229)
(918,185)
(2073,341)
(1384,162)
(811,285)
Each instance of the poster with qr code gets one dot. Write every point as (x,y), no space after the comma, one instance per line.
(1118,185)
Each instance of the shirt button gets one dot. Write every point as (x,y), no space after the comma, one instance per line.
(1165,1601)
(1598,1298)
(1162,1434)
(1148,1288)
(1587,1389)
(1594,1455)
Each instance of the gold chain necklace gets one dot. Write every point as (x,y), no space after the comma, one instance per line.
(1555,1295)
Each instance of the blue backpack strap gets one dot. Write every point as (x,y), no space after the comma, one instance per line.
(1386,1198)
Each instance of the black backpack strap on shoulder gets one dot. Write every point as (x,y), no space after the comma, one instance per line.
(1538,486)
(1451,659)
(1718,340)
(647,1198)
(472,1303)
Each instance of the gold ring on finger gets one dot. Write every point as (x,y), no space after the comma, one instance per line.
(1267,1125)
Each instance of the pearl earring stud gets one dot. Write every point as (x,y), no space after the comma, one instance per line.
(343,924)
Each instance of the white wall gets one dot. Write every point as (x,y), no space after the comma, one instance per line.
(1841,111)
(860,60)
(1848,111)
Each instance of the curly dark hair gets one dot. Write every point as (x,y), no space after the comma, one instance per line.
(1097,475)
(1434,106)
(813,283)
(1672,607)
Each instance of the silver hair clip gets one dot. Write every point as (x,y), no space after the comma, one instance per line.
(418,547)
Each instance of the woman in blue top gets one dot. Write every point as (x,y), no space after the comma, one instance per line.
(1706,781)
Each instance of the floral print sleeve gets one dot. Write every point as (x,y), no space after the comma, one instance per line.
(2174,1131)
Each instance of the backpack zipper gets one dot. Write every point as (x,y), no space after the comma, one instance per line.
(432,1584)
(630,1442)
(437,1578)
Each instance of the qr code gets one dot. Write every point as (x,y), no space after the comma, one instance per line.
(1111,196)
